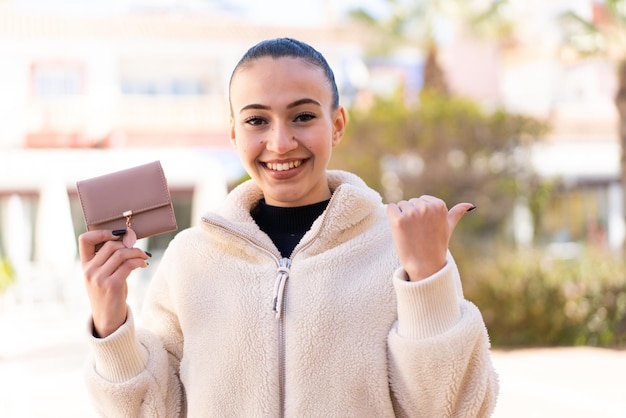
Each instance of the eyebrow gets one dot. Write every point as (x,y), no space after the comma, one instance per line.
(289,106)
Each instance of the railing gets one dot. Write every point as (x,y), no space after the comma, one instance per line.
(57,114)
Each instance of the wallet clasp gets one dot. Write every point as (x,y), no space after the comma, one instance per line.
(128,214)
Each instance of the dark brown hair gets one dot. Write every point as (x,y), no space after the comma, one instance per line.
(288,47)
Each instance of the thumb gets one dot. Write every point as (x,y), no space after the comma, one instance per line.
(456,213)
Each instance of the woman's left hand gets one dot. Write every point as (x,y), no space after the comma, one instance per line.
(421,229)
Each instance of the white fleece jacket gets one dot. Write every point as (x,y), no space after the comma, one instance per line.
(353,339)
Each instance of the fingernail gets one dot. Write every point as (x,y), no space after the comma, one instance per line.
(148,253)
(118,232)
(471,209)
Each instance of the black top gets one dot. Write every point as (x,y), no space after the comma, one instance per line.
(286,226)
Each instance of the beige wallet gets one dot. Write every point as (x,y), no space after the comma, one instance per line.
(136,198)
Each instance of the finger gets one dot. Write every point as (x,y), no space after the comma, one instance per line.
(393,210)
(90,241)
(406,206)
(414,206)
(125,254)
(410,210)
(456,213)
(119,257)
(430,199)
(127,267)
(113,270)
(114,275)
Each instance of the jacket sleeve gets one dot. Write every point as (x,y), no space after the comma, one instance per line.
(439,359)
(130,374)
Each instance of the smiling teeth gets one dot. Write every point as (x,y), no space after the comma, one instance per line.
(284,166)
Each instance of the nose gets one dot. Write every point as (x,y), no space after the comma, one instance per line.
(280,140)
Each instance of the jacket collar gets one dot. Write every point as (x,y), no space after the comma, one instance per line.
(352,201)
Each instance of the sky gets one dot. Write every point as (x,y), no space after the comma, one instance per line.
(285,12)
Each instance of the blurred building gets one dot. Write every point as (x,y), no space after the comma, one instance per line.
(576,95)
(84,93)
(528,73)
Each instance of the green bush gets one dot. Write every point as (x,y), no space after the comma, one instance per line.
(529,298)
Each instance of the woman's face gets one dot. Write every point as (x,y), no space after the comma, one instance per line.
(283,127)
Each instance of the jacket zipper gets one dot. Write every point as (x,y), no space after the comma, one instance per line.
(279,305)
(279,301)
(282,274)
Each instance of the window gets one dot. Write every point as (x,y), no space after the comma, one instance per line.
(57,78)
(168,77)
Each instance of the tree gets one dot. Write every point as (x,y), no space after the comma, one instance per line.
(443,146)
(409,23)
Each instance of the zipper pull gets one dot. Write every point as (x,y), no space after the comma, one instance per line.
(282,274)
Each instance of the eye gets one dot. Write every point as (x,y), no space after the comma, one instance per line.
(304,117)
(254,121)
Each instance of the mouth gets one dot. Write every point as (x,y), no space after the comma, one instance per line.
(284,166)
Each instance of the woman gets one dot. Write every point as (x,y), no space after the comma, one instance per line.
(304,295)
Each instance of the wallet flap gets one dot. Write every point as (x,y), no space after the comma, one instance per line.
(137,189)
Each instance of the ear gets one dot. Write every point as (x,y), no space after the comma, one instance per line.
(339,125)
(232,132)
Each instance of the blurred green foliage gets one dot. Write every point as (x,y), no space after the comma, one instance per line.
(452,148)
(444,146)
(531,298)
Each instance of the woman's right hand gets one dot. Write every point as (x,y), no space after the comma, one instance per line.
(106,265)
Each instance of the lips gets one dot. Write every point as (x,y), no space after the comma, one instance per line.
(284,166)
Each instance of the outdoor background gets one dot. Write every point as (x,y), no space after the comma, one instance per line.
(516,106)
